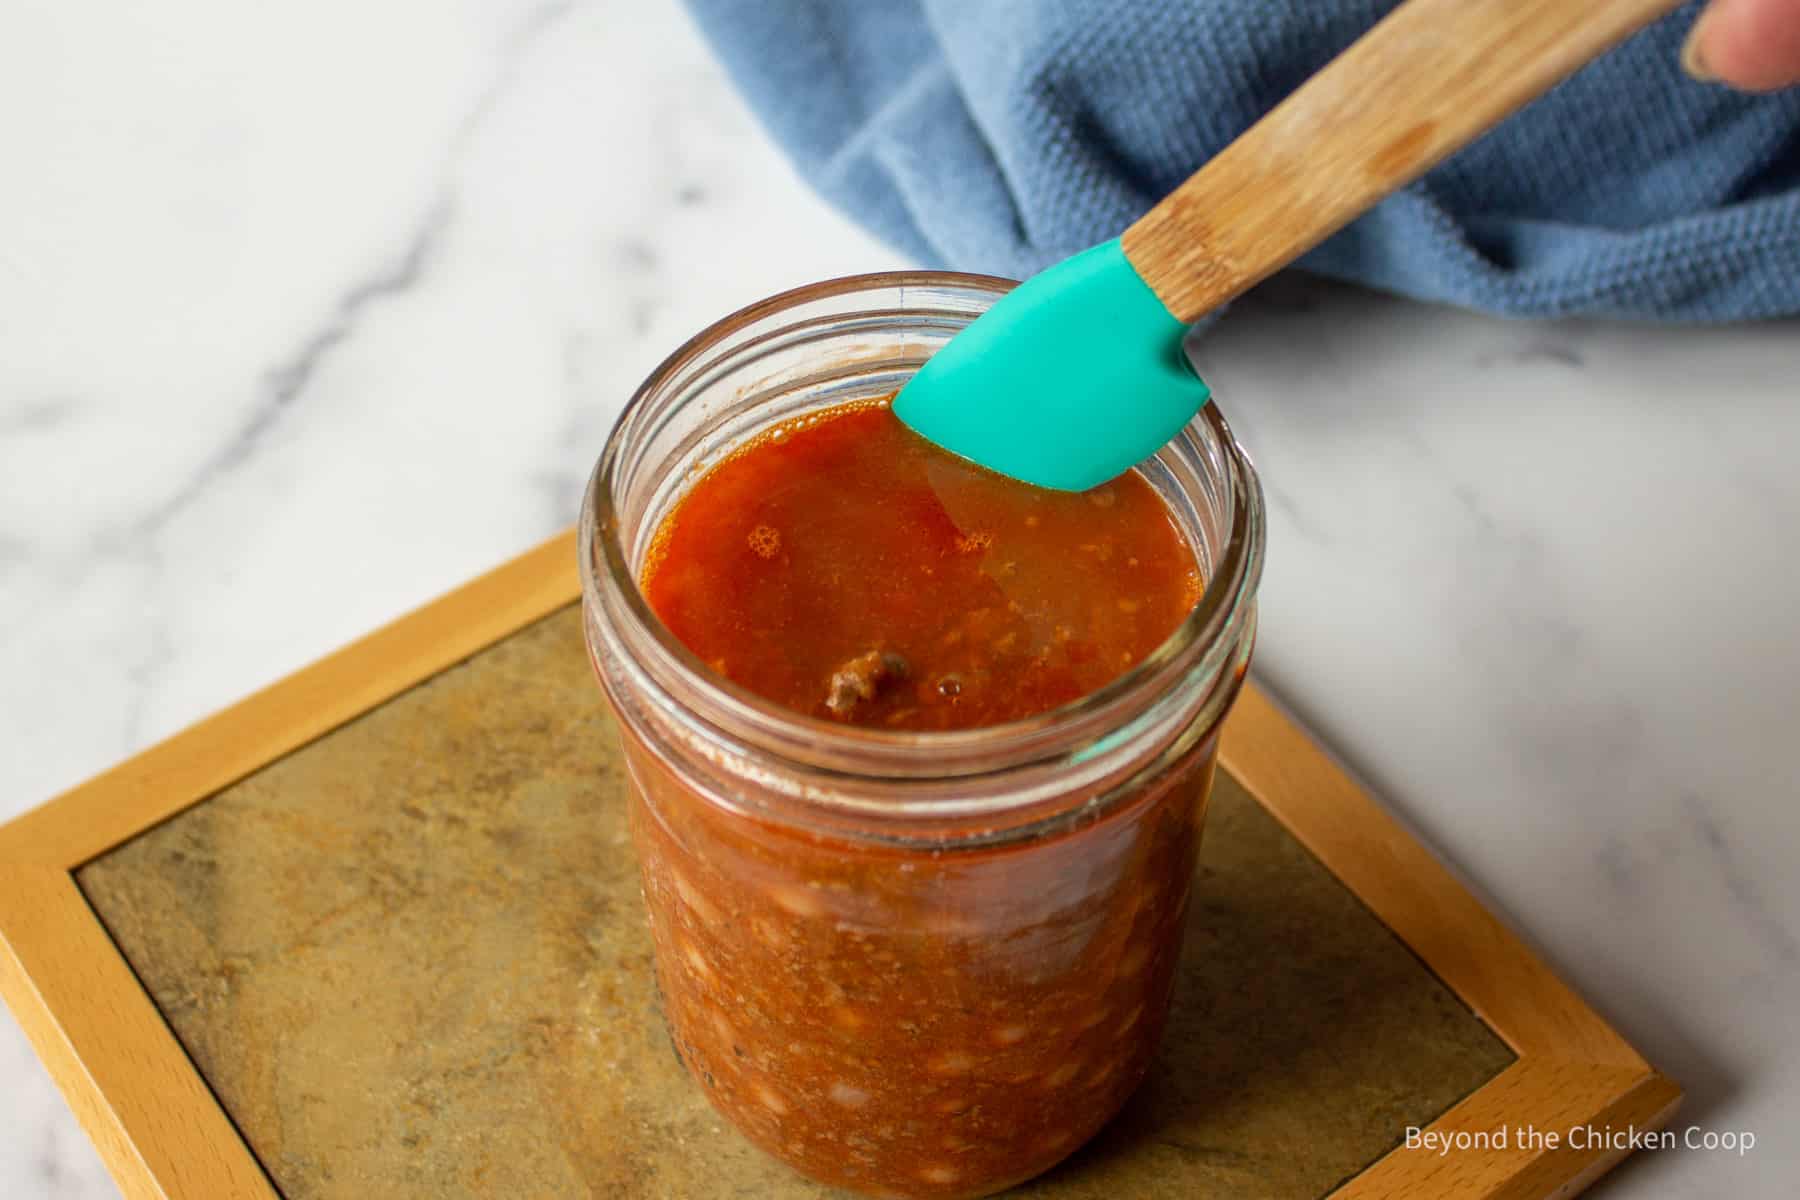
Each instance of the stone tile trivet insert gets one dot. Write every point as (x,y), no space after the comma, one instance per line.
(411,960)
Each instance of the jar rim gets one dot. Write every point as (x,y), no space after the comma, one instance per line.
(1225,603)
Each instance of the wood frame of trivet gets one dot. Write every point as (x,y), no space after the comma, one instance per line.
(163,1133)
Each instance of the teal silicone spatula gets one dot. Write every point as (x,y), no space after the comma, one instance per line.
(1079,373)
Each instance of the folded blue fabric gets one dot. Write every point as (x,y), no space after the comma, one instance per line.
(1003,135)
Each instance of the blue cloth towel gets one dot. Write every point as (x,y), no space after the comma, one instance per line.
(1003,135)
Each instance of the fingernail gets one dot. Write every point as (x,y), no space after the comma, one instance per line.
(1692,61)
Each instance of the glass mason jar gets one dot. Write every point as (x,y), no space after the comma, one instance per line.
(915,964)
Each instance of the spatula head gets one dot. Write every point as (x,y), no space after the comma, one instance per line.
(1071,379)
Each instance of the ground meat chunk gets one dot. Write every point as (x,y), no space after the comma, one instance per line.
(861,679)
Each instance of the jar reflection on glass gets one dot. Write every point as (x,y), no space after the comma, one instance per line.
(910,964)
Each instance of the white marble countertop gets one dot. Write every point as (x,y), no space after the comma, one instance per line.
(310,312)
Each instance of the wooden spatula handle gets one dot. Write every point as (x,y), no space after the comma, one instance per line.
(1430,78)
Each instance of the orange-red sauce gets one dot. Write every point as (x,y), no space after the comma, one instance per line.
(915,1021)
(843,566)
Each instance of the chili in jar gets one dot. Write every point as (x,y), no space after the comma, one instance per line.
(919,755)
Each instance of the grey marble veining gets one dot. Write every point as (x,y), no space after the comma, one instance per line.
(309,313)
